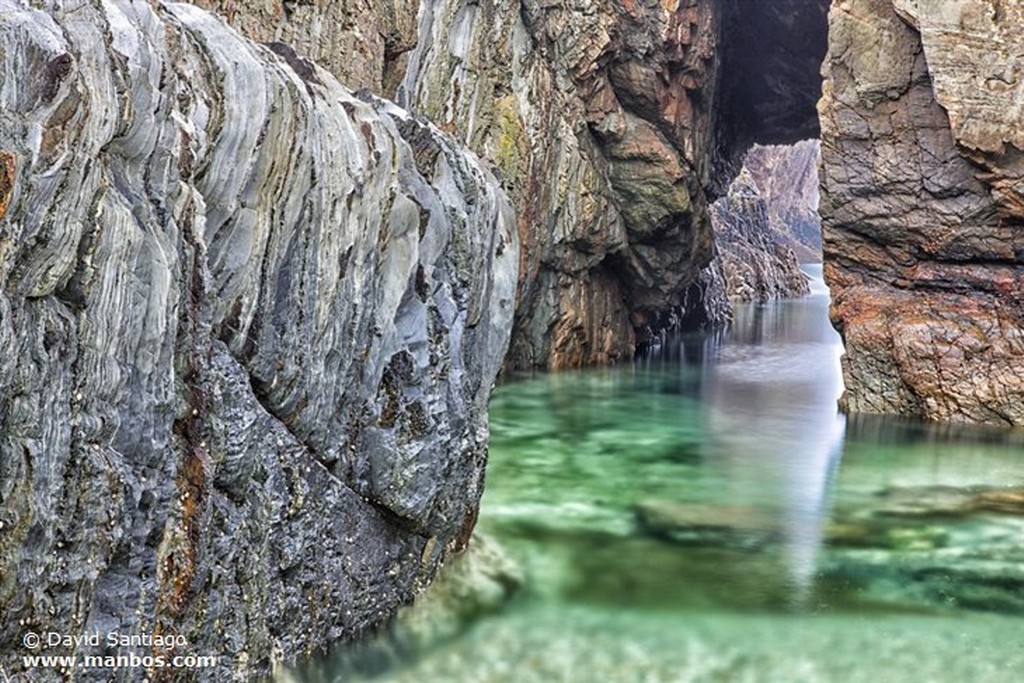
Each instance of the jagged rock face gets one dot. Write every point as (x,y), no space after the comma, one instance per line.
(605,120)
(755,265)
(787,177)
(362,42)
(249,325)
(923,223)
(598,116)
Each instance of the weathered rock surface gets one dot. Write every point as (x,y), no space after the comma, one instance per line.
(787,177)
(249,325)
(362,42)
(599,117)
(607,124)
(922,213)
(755,263)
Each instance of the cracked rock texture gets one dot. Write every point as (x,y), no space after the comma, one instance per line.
(922,128)
(599,117)
(756,264)
(249,325)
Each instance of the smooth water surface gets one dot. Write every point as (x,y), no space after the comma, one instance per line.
(704,514)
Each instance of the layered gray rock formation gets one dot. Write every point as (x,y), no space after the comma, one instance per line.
(249,325)
(922,116)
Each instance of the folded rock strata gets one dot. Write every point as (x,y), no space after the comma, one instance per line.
(249,325)
(922,213)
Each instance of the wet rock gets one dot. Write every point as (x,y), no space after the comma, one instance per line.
(247,339)
(704,525)
(922,208)
(472,585)
(935,546)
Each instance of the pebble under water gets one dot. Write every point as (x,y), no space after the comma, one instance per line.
(704,514)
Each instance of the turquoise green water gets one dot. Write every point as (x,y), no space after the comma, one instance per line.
(705,515)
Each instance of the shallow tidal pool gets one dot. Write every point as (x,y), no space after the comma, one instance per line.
(704,514)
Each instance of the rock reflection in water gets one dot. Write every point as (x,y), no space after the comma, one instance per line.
(769,388)
(685,518)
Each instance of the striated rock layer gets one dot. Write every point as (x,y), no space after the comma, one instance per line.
(922,117)
(248,329)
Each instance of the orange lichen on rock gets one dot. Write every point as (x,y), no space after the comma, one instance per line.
(7,167)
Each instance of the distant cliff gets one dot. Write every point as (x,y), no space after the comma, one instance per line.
(755,261)
(765,226)
(249,325)
(787,177)
(923,205)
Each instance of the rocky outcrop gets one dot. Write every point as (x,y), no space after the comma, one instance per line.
(755,263)
(598,116)
(249,325)
(787,177)
(921,144)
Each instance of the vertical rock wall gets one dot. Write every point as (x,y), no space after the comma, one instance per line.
(604,119)
(249,326)
(922,121)
(598,116)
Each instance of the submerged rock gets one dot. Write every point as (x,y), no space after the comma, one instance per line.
(922,206)
(705,525)
(249,325)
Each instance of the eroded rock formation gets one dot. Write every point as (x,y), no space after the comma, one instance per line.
(787,177)
(922,117)
(606,122)
(249,325)
(755,264)
(599,117)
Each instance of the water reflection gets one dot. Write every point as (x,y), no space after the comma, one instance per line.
(768,388)
(686,518)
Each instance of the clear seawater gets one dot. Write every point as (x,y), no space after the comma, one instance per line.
(705,514)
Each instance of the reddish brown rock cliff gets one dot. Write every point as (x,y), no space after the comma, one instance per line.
(923,220)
